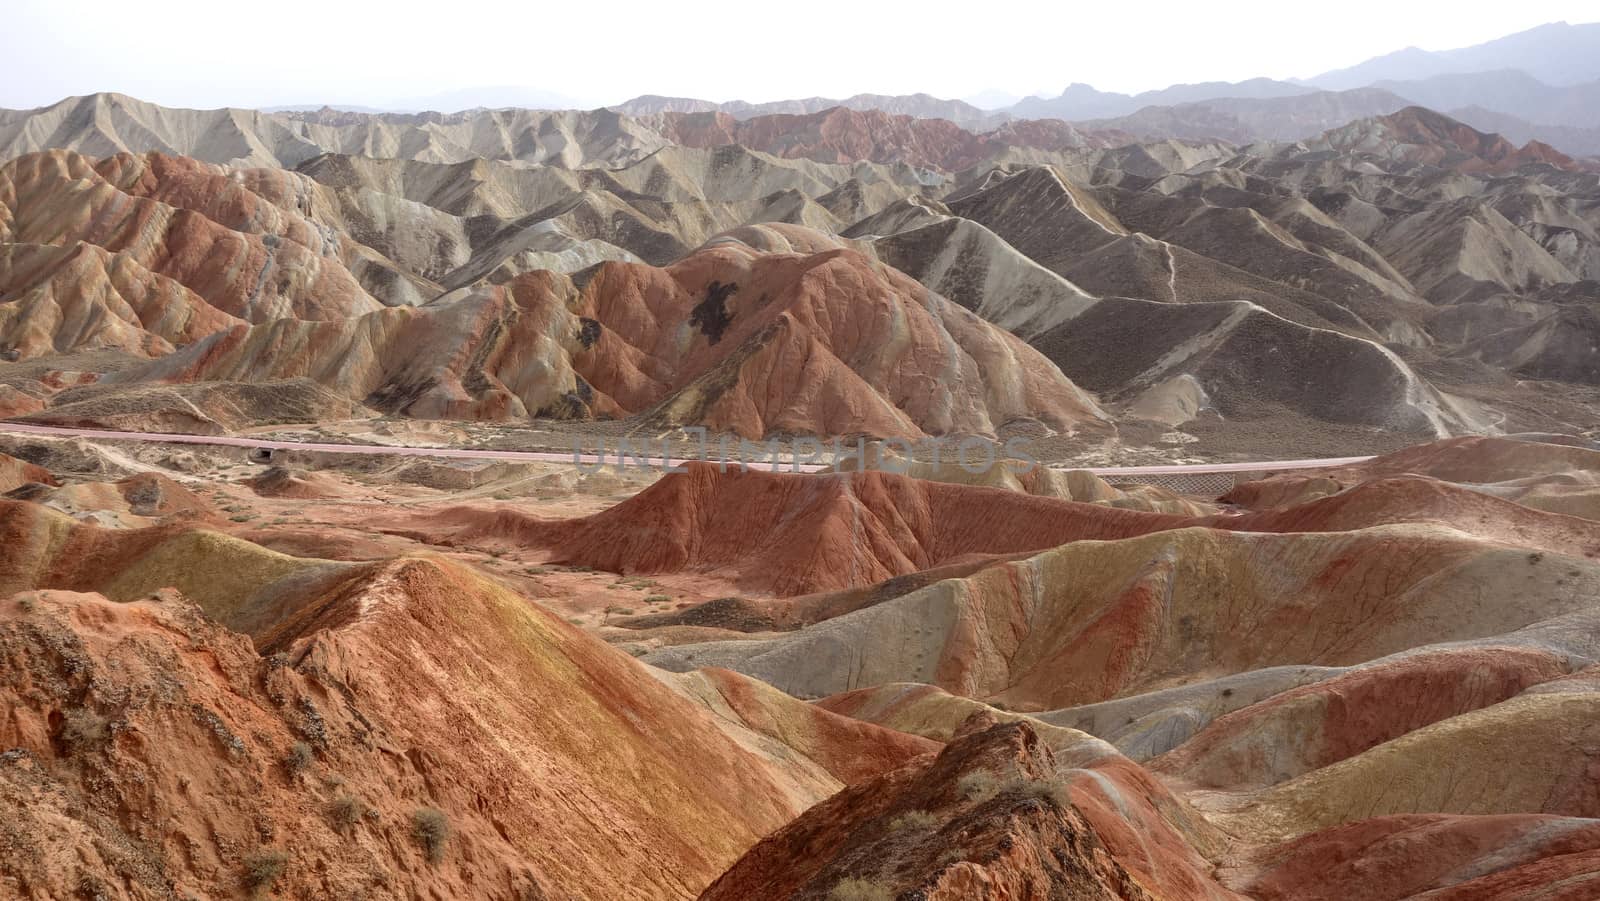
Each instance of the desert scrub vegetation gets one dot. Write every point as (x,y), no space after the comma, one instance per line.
(859,890)
(432,830)
(915,819)
(1054,792)
(657,599)
(84,730)
(346,812)
(298,758)
(263,869)
(978,786)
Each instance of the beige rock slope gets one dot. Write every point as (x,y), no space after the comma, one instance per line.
(1124,616)
(1186,334)
(483,219)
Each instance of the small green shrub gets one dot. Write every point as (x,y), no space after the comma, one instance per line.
(978,786)
(346,811)
(432,830)
(916,819)
(298,758)
(1056,793)
(859,890)
(241,517)
(658,599)
(84,730)
(263,869)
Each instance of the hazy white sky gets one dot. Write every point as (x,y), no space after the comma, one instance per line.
(207,53)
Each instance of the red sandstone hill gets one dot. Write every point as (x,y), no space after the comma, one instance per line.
(153,749)
(1556,478)
(1420,135)
(788,534)
(731,337)
(991,817)
(195,224)
(791,534)
(1437,856)
(15,473)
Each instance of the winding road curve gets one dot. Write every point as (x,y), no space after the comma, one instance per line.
(598,459)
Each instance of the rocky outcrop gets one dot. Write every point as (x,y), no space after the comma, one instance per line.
(986,818)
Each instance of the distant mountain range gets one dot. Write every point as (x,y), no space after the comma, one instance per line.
(1244,120)
(1506,90)
(919,106)
(1558,54)
(1542,84)
(1080,101)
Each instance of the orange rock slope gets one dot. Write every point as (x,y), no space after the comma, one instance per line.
(15,473)
(200,226)
(989,817)
(381,691)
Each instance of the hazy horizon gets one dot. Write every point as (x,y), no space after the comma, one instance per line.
(395,56)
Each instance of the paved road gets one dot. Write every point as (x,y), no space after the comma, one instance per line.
(596,459)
